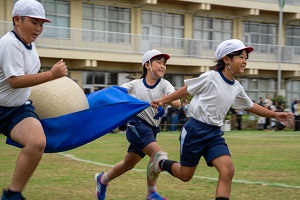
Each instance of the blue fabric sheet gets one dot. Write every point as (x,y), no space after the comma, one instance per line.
(108,109)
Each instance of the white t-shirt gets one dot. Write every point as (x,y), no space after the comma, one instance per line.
(214,94)
(141,90)
(16,59)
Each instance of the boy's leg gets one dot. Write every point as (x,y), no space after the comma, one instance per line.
(177,170)
(162,163)
(102,180)
(151,149)
(128,163)
(225,168)
(29,133)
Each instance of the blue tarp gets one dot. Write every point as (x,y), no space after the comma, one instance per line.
(108,109)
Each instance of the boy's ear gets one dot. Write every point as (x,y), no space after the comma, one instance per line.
(17,20)
(225,59)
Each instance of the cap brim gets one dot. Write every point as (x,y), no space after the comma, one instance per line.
(44,19)
(249,49)
(167,57)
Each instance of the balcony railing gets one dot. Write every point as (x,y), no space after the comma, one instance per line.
(287,2)
(103,41)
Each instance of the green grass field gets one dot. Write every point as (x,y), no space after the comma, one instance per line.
(267,167)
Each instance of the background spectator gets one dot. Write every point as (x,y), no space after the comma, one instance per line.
(182,115)
(297,115)
(261,101)
(186,108)
(239,116)
(164,120)
(233,119)
(267,104)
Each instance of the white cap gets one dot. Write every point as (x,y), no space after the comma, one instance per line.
(151,54)
(29,8)
(230,46)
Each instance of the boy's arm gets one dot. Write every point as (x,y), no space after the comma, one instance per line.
(29,80)
(178,94)
(261,111)
(176,103)
(58,70)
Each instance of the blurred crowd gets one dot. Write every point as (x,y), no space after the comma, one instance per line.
(174,118)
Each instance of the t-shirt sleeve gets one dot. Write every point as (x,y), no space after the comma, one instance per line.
(128,86)
(242,101)
(13,64)
(196,85)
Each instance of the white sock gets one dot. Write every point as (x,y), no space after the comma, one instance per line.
(104,179)
(151,189)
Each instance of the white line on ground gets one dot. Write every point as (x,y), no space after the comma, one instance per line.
(195,176)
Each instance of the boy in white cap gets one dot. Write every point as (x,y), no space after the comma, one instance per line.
(19,67)
(142,129)
(214,93)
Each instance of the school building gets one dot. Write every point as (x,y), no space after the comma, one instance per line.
(102,41)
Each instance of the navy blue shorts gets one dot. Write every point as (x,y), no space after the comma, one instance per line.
(200,139)
(139,134)
(11,116)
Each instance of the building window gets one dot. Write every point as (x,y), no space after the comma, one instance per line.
(163,29)
(99,80)
(210,30)
(293,38)
(106,23)
(256,88)
(262,36)
(175,80)
(58,12)
(292,91)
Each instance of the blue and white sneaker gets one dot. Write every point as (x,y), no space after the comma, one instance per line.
(17,196)
(155,196)
(100,188)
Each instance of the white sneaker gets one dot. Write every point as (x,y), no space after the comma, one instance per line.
(153,169)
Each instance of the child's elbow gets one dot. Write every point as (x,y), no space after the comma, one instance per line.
(177,104)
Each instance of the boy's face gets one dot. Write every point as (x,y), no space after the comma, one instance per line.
(29,28)
(159,67)
(238,63)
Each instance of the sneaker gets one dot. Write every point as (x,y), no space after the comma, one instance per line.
(153,168)
(155,196)
(100,188)
(17,196)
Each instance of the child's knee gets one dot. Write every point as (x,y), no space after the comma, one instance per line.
(228,171)
(186,178)
(129,166)
(38,145)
